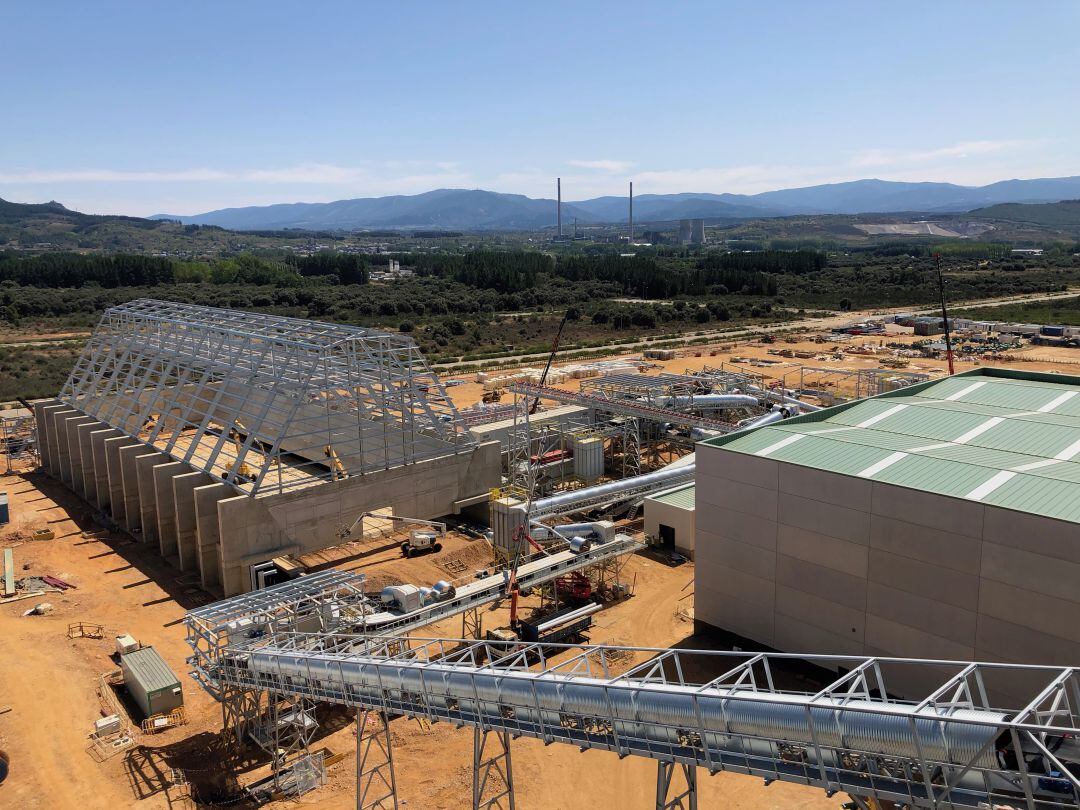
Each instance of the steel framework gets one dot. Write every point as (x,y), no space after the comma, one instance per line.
(266,403)
(18,438)
(833,386)
(953,748)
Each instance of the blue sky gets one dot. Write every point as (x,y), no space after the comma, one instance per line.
(141,108)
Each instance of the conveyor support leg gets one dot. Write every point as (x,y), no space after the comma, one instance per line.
(376,784)
(668,796)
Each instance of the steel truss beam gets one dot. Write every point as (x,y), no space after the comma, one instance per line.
(265,403)
(851,736)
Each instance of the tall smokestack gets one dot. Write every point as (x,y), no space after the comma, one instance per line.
(631,240)
(558,191)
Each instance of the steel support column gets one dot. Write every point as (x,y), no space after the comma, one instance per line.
(376,783)
(493,776)
(666,796)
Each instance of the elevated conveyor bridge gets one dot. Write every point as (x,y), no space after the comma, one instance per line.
(954,748)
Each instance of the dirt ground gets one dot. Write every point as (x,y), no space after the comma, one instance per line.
(757,357)
(50,681)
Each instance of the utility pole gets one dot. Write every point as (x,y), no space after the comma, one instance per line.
(944,313)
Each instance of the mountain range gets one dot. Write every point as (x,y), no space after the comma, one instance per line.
(476,209)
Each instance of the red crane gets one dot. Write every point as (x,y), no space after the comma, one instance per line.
(522,534)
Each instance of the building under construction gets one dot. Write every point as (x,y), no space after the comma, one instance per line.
(230,438)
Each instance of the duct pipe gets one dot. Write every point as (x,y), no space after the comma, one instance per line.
(651,712)
(785,398)
(759,421)
(614,488)
(711,402)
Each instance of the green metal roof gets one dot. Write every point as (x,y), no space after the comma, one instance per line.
(682,497)
(996,436)
(150,669)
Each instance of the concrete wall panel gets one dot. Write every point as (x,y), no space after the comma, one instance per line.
(741,557)
(187,525)
(71,466)
(817,485)
(738,497)
(85,432)
(821,581)
(825,518)
(735,525)
(130,477)
(851,558)
(166,505)
(102,492)
(43,418)
(144,466)
(57,446)
(952,515)
(1034,533)
(116,477)
(924,579)
(958,552)
(206,516)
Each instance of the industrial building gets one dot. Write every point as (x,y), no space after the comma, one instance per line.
(230,438)
(669,519)
(939,520)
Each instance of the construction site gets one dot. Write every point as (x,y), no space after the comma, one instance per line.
(259,560)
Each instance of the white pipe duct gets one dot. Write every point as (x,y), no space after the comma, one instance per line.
(706,402)
(564,500)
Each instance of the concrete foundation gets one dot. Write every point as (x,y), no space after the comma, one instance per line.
(205,525)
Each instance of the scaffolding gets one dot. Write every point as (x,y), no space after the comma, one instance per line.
(265,403)
(18,439)
(832,386)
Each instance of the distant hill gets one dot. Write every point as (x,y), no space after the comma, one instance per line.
(475,209)
(51,226)
(459,209)
(1064,214)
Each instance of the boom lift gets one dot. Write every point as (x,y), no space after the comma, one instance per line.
(421,541)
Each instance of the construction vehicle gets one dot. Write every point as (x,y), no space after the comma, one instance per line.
(573,587)
(520,537)
(421,541)
(491,397)
(551,358)
(337,469)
